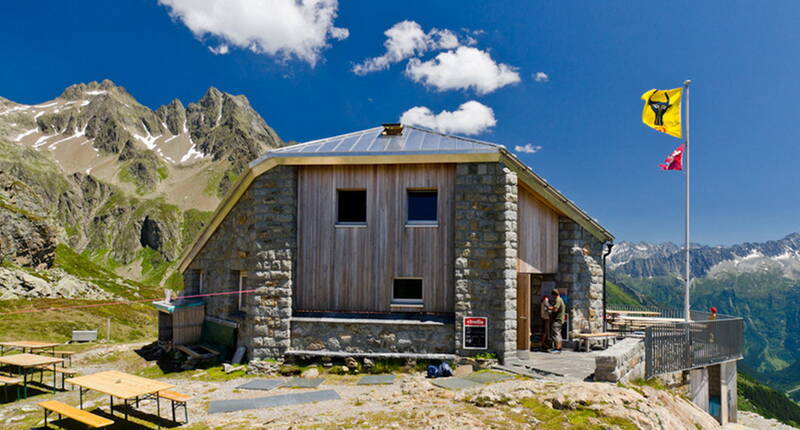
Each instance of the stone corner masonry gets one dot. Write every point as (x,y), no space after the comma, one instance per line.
(486,253)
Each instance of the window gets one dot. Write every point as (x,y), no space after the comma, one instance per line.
(407,292)
(422,206)
(197,281)
(352,207)
(241,283)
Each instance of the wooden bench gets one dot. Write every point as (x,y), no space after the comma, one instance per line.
(588,337)
(178,400)
(5,381)
(91,420)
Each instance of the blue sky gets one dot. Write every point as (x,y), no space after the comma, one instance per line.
(599,56)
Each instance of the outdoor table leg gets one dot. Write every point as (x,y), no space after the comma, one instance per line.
(126,409)
(80,389)
(54,378)
(158,410)
(111,402)
(24,382)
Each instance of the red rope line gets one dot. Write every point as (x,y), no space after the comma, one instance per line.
(121,302)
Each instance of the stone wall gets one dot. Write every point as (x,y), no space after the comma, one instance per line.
(580,272)
(486,252)
(372,336)
(258,236)
(622,362)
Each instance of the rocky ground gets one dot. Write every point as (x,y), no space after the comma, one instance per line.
(411,402)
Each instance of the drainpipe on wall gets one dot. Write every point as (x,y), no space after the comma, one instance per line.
(608,251)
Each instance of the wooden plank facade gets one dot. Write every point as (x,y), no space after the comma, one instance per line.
(351,268)
(537,236)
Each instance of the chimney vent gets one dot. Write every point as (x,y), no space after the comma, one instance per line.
(392,129)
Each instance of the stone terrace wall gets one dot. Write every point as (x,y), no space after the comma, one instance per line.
(622,362)
(486,252)
(580,271)
(259,236)
(375,336)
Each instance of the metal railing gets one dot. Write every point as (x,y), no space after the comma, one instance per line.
(681,346)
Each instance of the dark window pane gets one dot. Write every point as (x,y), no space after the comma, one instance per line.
(422,205)
(352,206)
(407,289)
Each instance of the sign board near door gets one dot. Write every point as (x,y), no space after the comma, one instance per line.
(475,332)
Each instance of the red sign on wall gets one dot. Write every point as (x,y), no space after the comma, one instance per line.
(475,332)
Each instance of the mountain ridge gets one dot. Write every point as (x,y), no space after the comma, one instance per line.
(117,182)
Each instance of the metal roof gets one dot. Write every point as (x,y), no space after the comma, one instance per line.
(373,141)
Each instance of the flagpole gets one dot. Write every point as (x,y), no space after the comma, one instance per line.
(687,166)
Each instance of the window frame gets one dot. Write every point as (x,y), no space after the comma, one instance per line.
(408,303)
(354,224)
(421,223)
(198,276)
(242,280)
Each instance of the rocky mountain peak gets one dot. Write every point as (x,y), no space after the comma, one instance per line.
(83,91)
(226,127)
(174,116)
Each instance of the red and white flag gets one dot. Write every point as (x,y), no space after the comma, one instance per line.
(674,161)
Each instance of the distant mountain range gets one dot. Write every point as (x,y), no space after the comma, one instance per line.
(126,187)
(648,260)
(758,281)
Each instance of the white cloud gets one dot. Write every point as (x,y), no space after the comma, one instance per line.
(464,68)
(541,77)
(470,118)
(283,28)
(528,149)
(405,40)
(219,50)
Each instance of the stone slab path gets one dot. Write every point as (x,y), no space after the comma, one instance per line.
(568,364)
(271,401)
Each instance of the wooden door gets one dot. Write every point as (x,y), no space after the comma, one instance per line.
(523,312)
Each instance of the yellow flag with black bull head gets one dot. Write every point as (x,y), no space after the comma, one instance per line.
(662,110)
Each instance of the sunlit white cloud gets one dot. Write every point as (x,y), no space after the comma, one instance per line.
(528,148)
(541,77)
(405,40)
(465,68)
(283,28)
(470,118)
(219,50)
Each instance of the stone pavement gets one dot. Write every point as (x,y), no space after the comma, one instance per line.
(569,364)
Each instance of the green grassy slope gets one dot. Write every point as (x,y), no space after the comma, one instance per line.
(54,319)
(766,401)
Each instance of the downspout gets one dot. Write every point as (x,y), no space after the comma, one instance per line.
(609,245)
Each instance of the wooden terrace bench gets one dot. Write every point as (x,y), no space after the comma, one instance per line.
(5,381)
(586,338)
(91,420)
(178,400)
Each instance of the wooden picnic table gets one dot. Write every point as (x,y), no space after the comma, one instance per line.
(122,386)
(30,345)
(652,313)
(26,361)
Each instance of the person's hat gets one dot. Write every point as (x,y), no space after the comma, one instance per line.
(713,310)
(554,292)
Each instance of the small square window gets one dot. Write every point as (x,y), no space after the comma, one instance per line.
(352,207)
(407,292)
(422,206)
